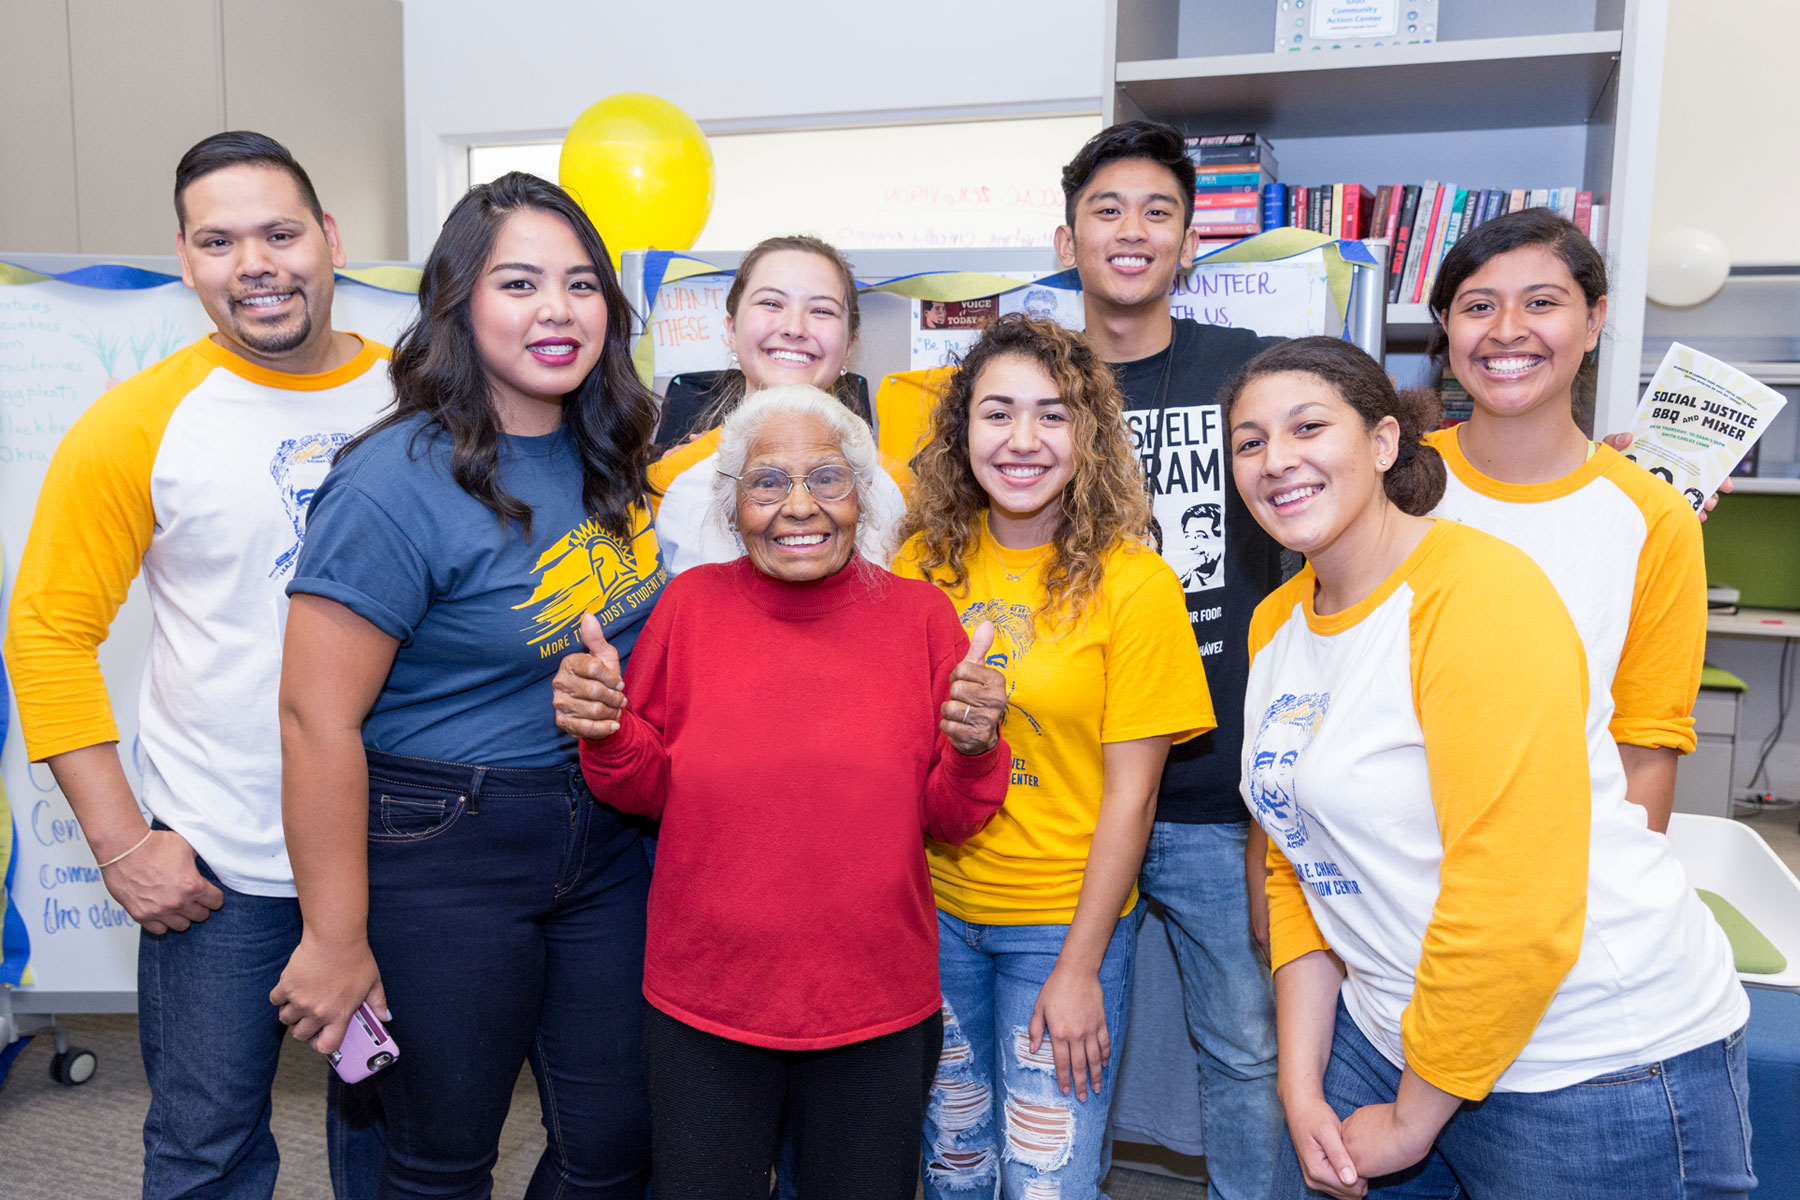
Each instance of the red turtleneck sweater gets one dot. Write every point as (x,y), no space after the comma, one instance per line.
(786,735)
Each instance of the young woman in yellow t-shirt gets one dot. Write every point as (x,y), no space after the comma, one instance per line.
(1029,513)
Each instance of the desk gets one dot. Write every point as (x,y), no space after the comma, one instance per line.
(1755,622)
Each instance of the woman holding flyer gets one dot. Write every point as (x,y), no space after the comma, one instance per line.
(1520,303)
(1490,979)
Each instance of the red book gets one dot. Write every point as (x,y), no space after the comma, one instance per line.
(1393,212)
(1584,211)
(1242,198)
(1353,221)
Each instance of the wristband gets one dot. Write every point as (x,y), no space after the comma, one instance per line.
(116,858)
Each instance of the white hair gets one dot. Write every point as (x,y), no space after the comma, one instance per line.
(877,519)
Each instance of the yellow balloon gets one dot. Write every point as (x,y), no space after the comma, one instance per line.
(642,171)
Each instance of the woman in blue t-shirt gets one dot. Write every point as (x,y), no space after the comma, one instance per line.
(450,862)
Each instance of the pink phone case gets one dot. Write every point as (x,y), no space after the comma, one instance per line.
(367,1047)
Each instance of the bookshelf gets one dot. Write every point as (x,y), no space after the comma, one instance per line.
(1531,93)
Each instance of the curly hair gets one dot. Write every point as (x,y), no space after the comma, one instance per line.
(1104,503)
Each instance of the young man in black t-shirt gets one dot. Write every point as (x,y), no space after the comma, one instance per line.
(1129,196)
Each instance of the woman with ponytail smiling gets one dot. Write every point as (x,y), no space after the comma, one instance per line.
(1468,940)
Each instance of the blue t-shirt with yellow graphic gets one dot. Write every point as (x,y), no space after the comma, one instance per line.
(484,615)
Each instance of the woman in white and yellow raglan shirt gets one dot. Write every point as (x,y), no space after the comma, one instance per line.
(1029,511)
(1520,302)
(1491,979)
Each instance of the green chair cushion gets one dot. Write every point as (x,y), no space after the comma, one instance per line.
(1719,677)
(1755,954)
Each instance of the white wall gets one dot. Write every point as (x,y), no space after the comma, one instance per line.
(470,75)
(99,98)
(1728,155)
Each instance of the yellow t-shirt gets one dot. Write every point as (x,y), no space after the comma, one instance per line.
(1129,669)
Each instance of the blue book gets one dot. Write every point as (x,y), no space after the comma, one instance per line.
(1490,205)
(1230,183)
(1274,205)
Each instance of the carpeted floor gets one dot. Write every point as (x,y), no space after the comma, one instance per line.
(85,1143)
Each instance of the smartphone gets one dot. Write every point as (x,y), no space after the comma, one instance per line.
(367,1047)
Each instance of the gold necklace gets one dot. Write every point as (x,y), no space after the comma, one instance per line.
(1018,576)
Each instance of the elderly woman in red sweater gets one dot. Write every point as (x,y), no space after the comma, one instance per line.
(800,720)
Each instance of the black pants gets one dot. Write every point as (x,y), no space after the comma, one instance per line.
(855,1112)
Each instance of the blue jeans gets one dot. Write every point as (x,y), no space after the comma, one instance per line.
(355,1137)
(1196,873)
(506,913)
(988,1078)
(1678,1129)
(210,1040)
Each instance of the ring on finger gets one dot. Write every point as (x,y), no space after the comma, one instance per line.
(964,719)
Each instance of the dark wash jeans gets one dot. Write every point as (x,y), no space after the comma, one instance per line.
(211,1040)
(506,913)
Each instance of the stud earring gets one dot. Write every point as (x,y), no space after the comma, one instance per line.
(732,358)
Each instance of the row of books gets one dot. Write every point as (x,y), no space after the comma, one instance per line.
(1421,222)
(1231,172)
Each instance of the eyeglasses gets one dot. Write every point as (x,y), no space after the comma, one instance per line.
(766,485)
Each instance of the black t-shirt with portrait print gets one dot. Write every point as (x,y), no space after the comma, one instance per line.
(1226,562)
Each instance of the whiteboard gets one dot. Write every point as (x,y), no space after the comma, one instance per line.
(61,346)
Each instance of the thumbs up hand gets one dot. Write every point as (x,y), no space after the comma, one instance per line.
(588,689)
(977,698)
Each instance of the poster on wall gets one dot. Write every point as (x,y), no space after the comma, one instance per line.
(1289,298)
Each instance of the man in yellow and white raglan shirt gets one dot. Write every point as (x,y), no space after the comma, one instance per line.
(198,471)
(1416,763)
(1623,550)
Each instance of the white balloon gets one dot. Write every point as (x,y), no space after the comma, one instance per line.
(1687,267)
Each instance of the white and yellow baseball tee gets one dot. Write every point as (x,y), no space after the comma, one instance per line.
(1419,762)
(1623,550)
(198,469)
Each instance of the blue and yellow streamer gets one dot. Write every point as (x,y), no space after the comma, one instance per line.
(1342,259)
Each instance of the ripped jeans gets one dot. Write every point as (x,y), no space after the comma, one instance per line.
(996,1114)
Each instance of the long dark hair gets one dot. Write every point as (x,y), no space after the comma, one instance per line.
(438,372)
(728,392)
(1415,483)
(1529,227)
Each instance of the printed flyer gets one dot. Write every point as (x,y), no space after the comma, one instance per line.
(1699,416)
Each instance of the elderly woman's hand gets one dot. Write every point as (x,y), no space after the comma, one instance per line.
(587,688)
(977,698)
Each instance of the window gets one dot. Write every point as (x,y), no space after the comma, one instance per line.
(965,183)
